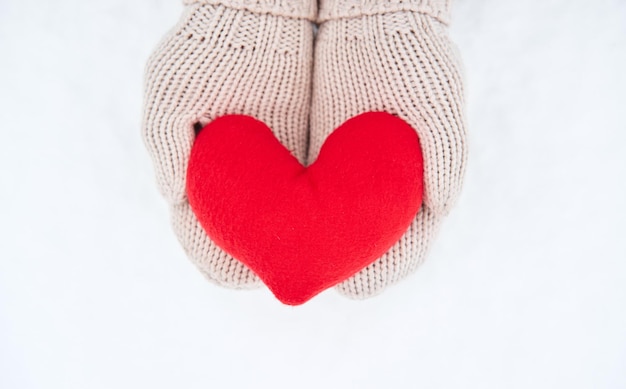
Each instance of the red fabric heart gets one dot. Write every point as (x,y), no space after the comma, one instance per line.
(305,229)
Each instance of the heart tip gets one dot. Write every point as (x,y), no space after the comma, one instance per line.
(294,300)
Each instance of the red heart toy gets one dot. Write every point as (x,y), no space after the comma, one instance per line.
(305,229)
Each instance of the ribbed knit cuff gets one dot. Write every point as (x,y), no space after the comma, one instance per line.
(301,9)
(338,9)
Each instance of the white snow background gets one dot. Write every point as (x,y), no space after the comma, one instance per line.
(524,288)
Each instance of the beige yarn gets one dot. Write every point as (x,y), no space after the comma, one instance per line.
(255,57)
(226,57)
(397,58)
(340,9)
(303,9)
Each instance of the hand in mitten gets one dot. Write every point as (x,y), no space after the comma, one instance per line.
(226,57)
(394,56)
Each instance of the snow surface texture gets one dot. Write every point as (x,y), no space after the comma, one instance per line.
(524,288)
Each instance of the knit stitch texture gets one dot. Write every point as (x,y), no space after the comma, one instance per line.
(340,9)
(255,57)
(288,8)
(395,57)
(226,57)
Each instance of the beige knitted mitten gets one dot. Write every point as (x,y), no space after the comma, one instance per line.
(251,57)
(394,56)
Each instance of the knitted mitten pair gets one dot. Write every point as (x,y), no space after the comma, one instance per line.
(258,58)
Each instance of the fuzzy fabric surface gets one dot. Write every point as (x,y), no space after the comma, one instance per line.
(305,229)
